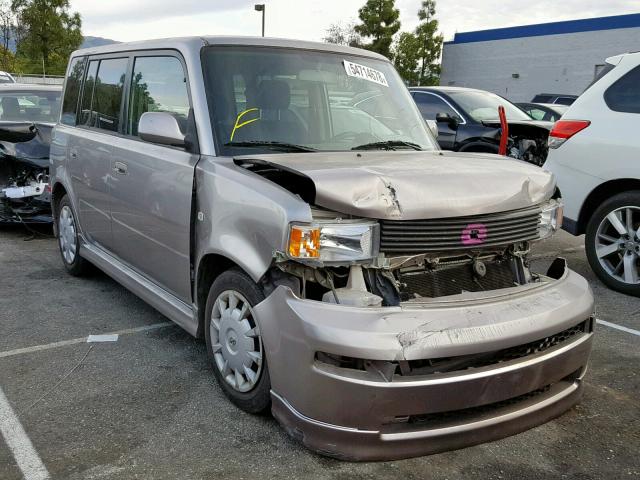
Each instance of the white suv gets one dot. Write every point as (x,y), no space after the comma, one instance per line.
(595,155)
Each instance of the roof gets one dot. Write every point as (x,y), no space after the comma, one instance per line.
(30,87)
(554,28)
(445,89)
(199,42)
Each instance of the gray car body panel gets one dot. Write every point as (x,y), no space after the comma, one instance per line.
(244,217)
(241,217)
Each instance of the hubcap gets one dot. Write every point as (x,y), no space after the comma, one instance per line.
(235,341)
(618,244)
(67,234)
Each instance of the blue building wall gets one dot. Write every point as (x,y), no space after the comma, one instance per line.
(558,57)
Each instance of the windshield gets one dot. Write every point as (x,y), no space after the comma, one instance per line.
(29,106)
(483,106)
(315,100)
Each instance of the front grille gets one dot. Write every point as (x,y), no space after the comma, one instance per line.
(467,415)
(452,280)
(433,420)
(464,362)
(458,363)
(460,233)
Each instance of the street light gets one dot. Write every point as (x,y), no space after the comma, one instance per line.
(261,8)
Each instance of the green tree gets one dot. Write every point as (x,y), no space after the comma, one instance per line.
(429,44)
(46,32)
(405,57)
(343,35)
(7,27)
(380,22)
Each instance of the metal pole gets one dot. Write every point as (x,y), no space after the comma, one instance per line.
(261,7)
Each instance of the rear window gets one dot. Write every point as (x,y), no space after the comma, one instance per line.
(624,94)
(72,91)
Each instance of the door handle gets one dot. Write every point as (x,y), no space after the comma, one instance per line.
(120,168)
(73,153)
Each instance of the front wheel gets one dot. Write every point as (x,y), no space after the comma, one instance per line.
(612,242)
(234,342)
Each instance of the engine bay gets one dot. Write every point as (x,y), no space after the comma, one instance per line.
(24,173)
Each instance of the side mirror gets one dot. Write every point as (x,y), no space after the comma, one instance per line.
(448,119)
(160,127)
(433,127)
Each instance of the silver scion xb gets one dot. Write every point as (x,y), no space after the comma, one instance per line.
(286,201)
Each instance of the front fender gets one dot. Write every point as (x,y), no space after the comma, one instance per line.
(241,215)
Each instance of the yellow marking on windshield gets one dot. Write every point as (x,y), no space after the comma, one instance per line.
(240,125)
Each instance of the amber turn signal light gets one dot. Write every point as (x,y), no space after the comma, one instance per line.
(304,242)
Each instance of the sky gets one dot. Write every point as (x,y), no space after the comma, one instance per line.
(127,20)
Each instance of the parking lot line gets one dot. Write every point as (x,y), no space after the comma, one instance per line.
(18,442)
(48,346)
(619,327)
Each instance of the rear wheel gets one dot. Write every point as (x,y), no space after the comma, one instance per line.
(612,242)
(68,240)
(234,343)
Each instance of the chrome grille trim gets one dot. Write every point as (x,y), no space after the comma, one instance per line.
(443,235)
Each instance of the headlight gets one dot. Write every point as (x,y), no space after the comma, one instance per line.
(550,218)
(333,241)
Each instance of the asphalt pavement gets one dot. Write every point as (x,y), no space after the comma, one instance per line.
(147,405)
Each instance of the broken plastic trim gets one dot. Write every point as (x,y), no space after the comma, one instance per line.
(388,369)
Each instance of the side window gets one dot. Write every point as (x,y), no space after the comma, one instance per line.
(536,113)
(107,95)
(624,94)
(431,105)
(72,90)
(87,94)
(158,85)
(102,94)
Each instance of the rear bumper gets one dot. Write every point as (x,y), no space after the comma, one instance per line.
(364,415)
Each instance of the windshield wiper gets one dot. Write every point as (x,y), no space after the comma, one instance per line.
(388,145)
(281,146)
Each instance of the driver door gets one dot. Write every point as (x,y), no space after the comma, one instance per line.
(431,105)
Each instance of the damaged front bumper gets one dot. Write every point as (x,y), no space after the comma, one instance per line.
(523,352)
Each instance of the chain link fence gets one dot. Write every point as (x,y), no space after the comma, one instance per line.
(39,79)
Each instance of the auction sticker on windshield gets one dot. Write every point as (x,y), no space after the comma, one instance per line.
(365,73)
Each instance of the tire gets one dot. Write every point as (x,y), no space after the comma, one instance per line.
(613,246)
(236,340)
(68,239)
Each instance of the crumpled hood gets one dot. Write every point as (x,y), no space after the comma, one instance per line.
(409,185)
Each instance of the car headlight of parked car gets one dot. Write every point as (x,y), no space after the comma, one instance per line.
(550,218)
(334,241)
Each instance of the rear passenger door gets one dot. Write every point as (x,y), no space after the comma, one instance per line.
(90,146)
(152,190)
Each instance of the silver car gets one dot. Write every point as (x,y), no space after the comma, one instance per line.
(286,201)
